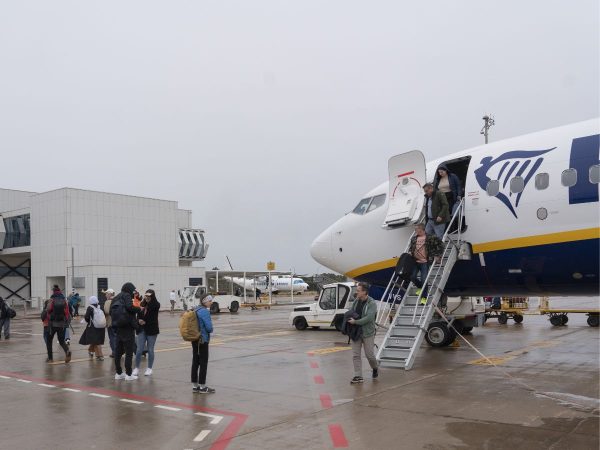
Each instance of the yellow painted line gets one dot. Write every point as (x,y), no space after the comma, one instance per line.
(508,356)
(542,239)
(327,350)
(520,242)
(72,361)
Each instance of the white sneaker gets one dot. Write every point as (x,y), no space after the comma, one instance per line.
(135,372)
(148,372)
(120,377)
(131,378)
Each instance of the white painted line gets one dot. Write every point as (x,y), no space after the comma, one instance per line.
(23,381)
(99,395)
(71,390)
(135,402)
(215,419)
(46,385)
(201,435)
(5,377)
(168,408)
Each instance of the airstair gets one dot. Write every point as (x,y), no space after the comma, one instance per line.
(406,315)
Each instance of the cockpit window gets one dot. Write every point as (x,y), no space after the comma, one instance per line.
(377,201)
(362,206)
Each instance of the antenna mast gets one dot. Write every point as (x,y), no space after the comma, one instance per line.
(488,123)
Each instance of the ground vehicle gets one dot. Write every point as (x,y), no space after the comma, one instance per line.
(463,313)
(328,311)
(193,295)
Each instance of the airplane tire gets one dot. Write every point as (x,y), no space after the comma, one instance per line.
(593,320)
(518,318)
(300,324)
(502,318)
(214,308)
(556,321)
(438,335)
(234,307)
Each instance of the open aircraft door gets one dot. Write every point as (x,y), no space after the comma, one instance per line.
(407,177)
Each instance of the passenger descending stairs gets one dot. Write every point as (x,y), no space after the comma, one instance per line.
(411,319)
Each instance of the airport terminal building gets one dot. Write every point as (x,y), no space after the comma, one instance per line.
(90,241)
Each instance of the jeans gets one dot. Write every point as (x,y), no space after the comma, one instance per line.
(433,227)
(125,344)
(5,327)
(199,362)
(112,339)
(420,269)
(60,332)
(142,340)
(369,346)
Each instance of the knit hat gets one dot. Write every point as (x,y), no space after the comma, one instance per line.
(93,300)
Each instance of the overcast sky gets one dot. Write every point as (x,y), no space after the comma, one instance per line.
(270,119)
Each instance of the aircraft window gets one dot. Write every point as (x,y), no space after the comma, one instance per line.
(378,201)
(517,184)
(595,174)
(493,188)
(542,181)
(298,281)
(362,206)
(569,177)
(328,298)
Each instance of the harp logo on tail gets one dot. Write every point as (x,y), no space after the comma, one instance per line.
(516,163)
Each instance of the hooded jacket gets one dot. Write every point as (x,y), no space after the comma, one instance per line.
(126,296)
(452,180)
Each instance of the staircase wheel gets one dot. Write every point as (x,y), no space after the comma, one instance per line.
(438,335)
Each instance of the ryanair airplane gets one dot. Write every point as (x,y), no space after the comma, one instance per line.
(531,216)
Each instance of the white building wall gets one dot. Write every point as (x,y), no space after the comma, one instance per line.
(11,199)
(184,218)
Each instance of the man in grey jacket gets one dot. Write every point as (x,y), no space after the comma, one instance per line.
(366,309)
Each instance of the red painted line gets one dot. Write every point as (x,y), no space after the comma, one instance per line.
(326,401)
(319,379)
(337,436)
(310,354)
(222,441)
(406,173)
(314,365)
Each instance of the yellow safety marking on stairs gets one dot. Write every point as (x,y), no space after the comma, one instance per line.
(327,350)
(508,356)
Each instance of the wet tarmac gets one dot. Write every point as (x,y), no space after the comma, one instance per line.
(278,388)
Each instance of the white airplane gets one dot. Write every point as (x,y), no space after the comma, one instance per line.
(531,210)
(278,283)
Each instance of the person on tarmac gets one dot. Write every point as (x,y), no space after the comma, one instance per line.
(366,309)
(172,299)
(4,319)
(123,313)
(147,331)
(425,248)
(94,334)
(109,294)
(200,348)
(57,313)
(437,210)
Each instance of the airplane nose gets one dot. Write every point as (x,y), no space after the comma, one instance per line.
(320,249)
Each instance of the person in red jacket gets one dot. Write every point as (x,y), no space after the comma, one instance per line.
(57,314)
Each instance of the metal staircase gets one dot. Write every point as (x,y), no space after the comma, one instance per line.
(406,315)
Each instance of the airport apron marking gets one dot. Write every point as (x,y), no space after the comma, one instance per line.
(508,356)
(221,442)
(327,350)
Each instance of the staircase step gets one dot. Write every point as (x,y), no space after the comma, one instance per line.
(404,331)
(393,362)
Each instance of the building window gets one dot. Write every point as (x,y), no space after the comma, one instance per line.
(542,181)
(569,177)
(595,174)
(493,188)
(517,184)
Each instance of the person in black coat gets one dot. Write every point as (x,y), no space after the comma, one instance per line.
(94,333)
(147,331)
(448,184)
(123,315)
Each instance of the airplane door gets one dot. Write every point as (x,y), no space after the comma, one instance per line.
(406,177)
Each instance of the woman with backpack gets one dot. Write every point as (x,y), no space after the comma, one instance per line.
(200,348)
(94,333)
(147,331)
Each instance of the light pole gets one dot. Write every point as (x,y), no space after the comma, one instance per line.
(488,123)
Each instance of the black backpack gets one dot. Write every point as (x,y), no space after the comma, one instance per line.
(58,310)
(118,313)
(405,266)
(11,312)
